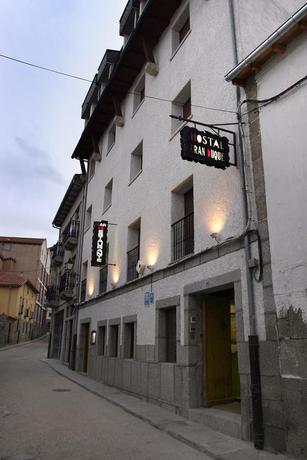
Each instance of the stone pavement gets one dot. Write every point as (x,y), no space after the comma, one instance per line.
(212,443)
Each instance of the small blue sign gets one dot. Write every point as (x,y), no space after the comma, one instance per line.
(149,298)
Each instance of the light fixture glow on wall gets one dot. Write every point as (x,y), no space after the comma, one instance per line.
(93,337)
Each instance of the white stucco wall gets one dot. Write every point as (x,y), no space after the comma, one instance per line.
(256,20)
(204,58)
(217,199)
(283,135)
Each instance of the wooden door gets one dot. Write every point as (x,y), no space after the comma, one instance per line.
(217,350)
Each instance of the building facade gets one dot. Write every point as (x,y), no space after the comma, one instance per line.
(17,306)
(64,284)
(31,260)
(185,308)
(279,170)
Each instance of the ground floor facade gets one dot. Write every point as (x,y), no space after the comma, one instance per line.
(179,338)
(187,347)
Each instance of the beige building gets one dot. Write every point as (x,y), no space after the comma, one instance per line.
(17,306)
(29,258)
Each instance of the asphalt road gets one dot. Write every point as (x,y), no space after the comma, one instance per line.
(45,416)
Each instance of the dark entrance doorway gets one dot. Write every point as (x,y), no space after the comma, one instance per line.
(85,336)
(221,381)
(57,336)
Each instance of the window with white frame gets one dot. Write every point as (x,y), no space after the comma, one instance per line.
(181,28)
(108,195)
(88,218)
(91,168)
(139,93)
(111,137)
(181,106)
(136,161)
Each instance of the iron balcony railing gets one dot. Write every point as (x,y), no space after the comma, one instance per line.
(52,293)
(67,283)
(183,237)
(71,230)
(103,279)
(58,253)
(132,259)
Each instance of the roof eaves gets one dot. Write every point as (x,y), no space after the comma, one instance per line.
(288,30)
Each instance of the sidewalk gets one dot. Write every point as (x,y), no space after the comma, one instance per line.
(212,443)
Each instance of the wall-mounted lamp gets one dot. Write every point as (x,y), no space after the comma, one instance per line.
(151,268)
(93,337)
(216,236)
(69,264)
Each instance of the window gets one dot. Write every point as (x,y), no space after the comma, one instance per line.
(111,137)
(182,211)
(88,218)
(136,161)
(101,340)
(129,340)
(167,334)
(108,195)
(181,106)
(139,93)
(114,340)
(133,254)
(181,29)
(91,171)
(83,282)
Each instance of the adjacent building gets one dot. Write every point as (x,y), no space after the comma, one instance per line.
(17,307)
(65,285)
(274,109)
(31,260)
(190,278)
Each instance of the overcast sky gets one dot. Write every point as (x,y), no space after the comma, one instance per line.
(40,112)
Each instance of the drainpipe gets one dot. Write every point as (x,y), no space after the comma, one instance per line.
(253,337)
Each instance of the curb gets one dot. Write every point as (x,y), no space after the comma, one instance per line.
(21,344)
(170,432)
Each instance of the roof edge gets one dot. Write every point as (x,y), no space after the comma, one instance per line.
(271,40)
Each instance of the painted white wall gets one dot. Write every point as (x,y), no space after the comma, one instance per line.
(256,20)
(283,134)
(217,199)
(204,58)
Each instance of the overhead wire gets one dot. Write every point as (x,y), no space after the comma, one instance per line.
(47,69)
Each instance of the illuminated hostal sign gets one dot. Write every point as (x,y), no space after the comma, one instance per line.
(99,243)
(204,147)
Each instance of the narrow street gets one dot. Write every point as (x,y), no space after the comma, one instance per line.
(45,416)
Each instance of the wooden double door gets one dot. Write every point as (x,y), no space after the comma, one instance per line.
(221,381)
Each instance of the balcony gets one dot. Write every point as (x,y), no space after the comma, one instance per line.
(127,20)
(183,237)
(132,259)
(67,285)
(58,254)
(70,235)
(52,296)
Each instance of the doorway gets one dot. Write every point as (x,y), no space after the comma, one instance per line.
(221,382)
(85,336)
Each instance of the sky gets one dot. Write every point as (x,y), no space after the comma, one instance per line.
(40,117)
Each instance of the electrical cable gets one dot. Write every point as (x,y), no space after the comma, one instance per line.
(45,68)
(91,81)
(271,99)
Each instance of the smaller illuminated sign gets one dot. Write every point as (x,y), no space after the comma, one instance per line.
(204,147)
(99,243)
